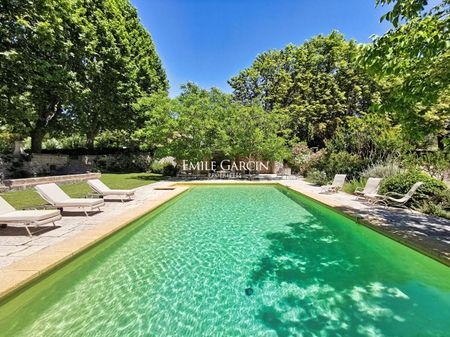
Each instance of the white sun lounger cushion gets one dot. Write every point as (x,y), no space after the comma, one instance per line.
(29,215)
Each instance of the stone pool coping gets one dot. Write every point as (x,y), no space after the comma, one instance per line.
(19,274)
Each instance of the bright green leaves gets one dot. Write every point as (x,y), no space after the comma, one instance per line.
(402,10)
(200,124)
(74,66)
(414,56)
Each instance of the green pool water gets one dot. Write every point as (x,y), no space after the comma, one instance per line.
(184,270)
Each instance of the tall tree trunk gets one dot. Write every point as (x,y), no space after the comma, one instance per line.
(90,136)
(39,130)
(37,136)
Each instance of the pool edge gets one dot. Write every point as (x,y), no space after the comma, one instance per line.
(23,273)
(372,224)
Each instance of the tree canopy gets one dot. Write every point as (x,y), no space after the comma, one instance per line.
(73,66)
(200,124)
(317,84)
(414,56)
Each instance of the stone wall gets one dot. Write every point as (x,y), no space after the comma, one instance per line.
(18,184)
(36,165)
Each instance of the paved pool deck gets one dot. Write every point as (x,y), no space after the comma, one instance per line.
(22,258)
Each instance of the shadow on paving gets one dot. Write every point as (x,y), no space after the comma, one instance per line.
(430,232)
(12,230)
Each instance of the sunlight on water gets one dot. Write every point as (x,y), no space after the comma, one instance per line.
(185,271)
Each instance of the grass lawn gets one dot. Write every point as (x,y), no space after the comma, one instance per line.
(30,198)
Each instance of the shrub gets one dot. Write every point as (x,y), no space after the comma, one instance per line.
(51,144)
(170,171)
(352,185)
(165,168)
(316,177)
(382,170)
(123,163)
(314,162)
(301,155)
(436,163)
(437,210)
(344,162)
(6,141)
(432,191)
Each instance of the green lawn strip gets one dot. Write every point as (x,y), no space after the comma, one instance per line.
(29,197)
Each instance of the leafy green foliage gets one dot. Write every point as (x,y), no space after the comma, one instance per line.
(73,66)
(414,56)
(351,185)
(301,156)
(436,163)
(344,163)
(6,140)
(165,168)
(362,142)
(372,137)
(317,177)
(332,163)
(402,9)
(37,54)
(438,210)
(200,124)
(432,190)
(316,85)
(124,162)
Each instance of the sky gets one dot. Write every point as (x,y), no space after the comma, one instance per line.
(209,41)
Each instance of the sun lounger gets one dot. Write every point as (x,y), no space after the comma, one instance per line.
(336,185)
(397,199)
(55,196)
(370,191)
(104,191)
(10,216)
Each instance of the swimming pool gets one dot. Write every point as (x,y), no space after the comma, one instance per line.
(238,261)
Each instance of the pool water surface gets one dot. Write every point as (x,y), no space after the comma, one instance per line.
(239,261)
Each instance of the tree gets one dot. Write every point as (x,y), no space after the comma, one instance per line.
(200,124)
(316,85)
(414,56)
(74,66)
(37,56)
(121,66)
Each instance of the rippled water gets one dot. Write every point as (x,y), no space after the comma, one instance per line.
(184,271)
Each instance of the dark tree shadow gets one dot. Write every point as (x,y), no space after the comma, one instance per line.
(319,274)
(146,177)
